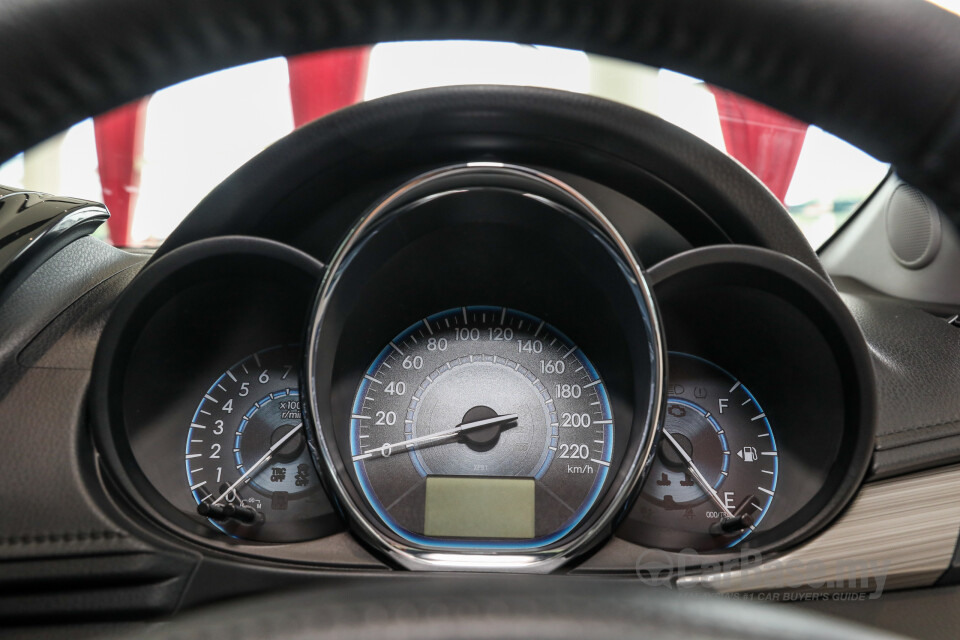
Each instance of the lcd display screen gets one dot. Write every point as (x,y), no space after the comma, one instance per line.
(478,507)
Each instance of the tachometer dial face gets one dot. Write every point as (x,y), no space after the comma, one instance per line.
(715,473)
(247,463)
(481,427)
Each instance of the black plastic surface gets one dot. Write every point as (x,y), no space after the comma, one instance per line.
(925,614)
(916,353)
(343,164)
(41,446)
(863,252)
(188,317)
(61,548)
(917,359)
(34,226)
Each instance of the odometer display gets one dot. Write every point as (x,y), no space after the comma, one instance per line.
(481,393)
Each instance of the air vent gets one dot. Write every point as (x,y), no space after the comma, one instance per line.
(913,227)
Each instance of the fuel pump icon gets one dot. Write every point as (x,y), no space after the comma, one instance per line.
(748,454)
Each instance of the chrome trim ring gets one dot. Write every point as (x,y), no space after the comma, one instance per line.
(537,185)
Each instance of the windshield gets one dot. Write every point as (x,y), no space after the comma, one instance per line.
(153,160)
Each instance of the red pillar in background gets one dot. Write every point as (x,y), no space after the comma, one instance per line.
(119,138)
(764,140)
(319,84)
(326,81)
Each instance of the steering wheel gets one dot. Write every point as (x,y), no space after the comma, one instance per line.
(880,73)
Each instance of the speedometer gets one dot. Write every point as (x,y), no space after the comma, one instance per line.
(481,424)
(484,437)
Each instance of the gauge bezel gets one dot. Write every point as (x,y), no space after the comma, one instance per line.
(231,258)
(775,278)
(538,189)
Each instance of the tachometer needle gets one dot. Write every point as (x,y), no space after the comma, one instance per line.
(259,463)
(692,468)
(386,450)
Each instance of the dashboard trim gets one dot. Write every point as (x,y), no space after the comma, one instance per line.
(897,534)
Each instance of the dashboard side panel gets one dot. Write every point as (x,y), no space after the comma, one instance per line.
(917,362)
(40,443)
(53,287)
(61,549)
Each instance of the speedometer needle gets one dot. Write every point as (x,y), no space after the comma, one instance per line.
(259,463)
(386,450)
(692,468)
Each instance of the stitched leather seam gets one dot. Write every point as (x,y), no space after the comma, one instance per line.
(61,538)
(923,426)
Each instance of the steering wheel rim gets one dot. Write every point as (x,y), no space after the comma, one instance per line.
(522,607)
(65,60)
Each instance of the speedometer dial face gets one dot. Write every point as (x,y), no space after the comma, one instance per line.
(481,427)
(246,458)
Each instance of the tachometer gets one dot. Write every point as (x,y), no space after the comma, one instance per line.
(246,459)
(481,425)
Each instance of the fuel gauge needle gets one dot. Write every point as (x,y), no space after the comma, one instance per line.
(692,468)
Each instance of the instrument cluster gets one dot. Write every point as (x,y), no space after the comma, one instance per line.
(483,376)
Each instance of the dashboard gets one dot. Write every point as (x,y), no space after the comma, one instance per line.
(492,365)
(730,371)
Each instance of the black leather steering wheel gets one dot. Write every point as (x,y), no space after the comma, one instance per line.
(880,73)
(514,608)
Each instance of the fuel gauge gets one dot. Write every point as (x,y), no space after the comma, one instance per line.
(714,476)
